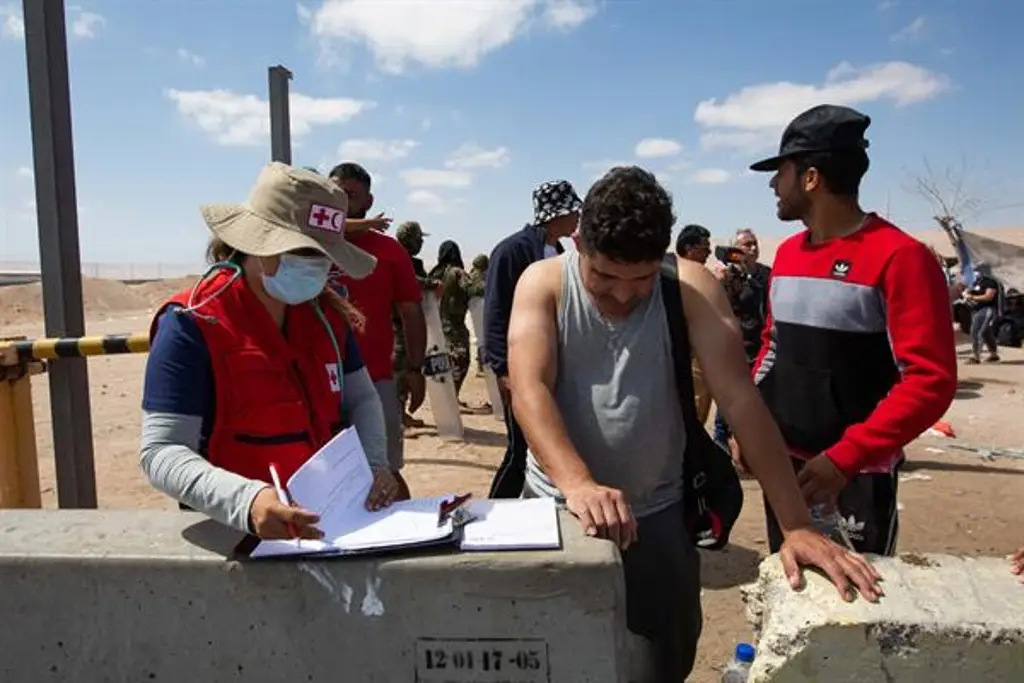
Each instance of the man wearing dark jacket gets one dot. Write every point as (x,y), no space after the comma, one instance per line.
(556,208)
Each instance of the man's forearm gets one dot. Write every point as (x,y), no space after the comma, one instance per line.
(538,416)
(765,454)
(414,326)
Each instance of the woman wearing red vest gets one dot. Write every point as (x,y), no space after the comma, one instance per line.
(256,364)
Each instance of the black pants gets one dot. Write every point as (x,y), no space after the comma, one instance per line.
(662,571)
(867,506)
(508,480)
(662,574)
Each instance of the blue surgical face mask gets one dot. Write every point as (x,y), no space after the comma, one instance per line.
(298,278)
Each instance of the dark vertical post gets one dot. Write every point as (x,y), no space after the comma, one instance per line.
(280,117)
(60,262)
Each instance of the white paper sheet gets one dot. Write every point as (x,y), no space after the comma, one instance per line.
(334,483)
(526,524)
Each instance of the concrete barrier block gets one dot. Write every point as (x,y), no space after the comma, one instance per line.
(150,596)
(943,618)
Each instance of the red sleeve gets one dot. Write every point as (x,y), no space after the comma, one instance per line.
(404,283)
(920,328)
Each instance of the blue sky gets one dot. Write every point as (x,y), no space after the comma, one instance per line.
(460,107)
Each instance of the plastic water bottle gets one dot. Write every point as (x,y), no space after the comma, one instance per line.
(739,668)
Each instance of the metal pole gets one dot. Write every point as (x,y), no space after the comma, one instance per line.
(280,117)
(60,261)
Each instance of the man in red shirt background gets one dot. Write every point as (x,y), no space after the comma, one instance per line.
(858,356)
(391,286)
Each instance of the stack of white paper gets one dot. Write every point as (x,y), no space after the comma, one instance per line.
(334,484)
(527,524)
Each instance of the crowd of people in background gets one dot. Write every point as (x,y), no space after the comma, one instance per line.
(821,368)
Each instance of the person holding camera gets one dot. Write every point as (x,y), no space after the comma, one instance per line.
(746,284)
(694,244)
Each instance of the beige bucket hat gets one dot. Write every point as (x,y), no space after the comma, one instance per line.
(289,209)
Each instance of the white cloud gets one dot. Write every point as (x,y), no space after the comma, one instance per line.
(568,14)
(470,155)
(427,201)
(87,24)
(13,25)
(435,33)
(886,5)
(376,150)
(190,57)
(650,148)
(425,177)
(24,172)
(911,32)
(82,24)
(709,176)
(752,118)
(234,119)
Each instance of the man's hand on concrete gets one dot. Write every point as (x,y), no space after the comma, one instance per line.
(603,512)
(1017,563)
(820,480)
(416,383)
(846,569)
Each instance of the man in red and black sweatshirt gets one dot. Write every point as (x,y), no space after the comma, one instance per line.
(858,356)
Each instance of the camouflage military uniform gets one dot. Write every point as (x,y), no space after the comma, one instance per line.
(478,276)
(459,288)
(410,235)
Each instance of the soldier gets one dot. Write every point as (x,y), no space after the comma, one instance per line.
(479,270)
(410,235)
(457,288)
(479,276)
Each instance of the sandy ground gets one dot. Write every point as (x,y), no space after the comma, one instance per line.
(953,502)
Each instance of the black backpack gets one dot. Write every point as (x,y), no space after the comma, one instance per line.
(712,493)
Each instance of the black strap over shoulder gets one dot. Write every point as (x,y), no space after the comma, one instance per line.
(712,494)
(681,360)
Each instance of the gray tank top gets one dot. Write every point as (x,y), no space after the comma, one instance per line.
(616,392)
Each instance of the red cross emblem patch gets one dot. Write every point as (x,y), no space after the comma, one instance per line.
(326,218)
(333,378)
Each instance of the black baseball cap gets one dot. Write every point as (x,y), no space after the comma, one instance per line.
(824,128)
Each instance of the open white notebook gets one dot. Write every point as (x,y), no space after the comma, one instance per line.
(334,484)
(529,524)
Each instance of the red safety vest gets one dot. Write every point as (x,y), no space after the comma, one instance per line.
(277,396)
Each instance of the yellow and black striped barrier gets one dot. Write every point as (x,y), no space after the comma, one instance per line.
(79,347)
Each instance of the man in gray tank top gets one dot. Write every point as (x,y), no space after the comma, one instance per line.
(590,363)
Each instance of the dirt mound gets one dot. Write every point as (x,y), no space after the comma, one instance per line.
(155,293)
(101,298)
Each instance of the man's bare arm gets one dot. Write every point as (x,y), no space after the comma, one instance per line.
(533,366)
(716,341)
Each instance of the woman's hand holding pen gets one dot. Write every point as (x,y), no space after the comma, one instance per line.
(270,519)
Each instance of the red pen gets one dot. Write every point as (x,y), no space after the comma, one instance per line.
(282,495)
